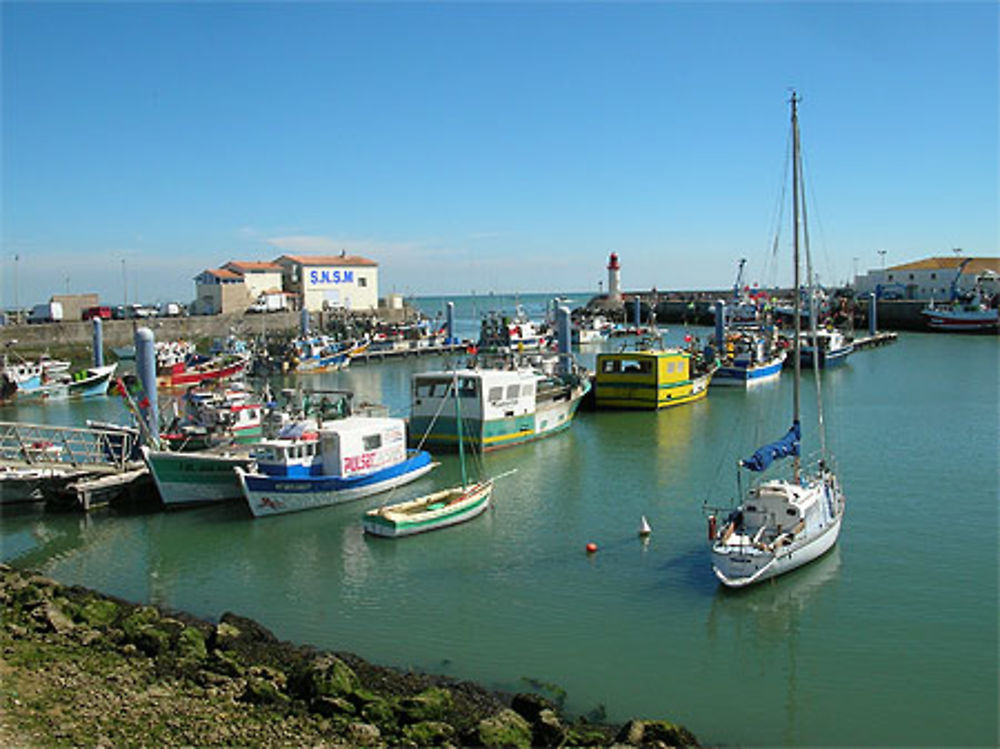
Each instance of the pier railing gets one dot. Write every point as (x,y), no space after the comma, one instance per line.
(93,448)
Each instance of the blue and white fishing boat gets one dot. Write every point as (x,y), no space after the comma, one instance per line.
(824,347)
(342,461)
(750,356)
(323,354)
(782,523)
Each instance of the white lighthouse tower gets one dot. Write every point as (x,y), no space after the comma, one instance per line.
(614,279)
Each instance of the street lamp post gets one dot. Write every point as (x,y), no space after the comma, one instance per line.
(882,253)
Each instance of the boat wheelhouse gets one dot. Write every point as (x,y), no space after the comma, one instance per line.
(345,460)
(650,379)
(499,407)
(750,356)
(824,347)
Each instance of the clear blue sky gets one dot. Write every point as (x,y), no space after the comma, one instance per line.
(471,147)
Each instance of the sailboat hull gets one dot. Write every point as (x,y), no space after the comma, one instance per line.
(741,566)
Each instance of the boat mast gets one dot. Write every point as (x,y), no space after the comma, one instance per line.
(795,244)
(458,425)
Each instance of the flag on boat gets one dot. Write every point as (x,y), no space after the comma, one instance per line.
(787,445)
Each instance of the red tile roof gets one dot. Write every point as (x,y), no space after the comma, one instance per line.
(222,273)
(248,266)
(327,260)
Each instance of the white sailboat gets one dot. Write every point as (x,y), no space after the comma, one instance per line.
(782,523)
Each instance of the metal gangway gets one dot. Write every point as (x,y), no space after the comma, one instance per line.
(94,448)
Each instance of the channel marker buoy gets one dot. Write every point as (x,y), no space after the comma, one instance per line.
(591,547)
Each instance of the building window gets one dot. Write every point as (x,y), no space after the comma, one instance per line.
(889,276)
(933,276)
(362,281)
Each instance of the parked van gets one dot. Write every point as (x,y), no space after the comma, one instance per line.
(170,309)
(91,312)
(48,312)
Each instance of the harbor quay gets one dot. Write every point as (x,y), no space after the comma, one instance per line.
(670,307)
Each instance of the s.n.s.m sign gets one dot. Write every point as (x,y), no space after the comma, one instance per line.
(330,277)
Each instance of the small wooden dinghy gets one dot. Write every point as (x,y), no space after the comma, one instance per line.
(429,512)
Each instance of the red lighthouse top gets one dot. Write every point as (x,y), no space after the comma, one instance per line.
(613,262)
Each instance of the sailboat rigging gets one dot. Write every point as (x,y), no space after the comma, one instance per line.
(782,523)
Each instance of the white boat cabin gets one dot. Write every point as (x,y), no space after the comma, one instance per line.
(486,394)
(349,447)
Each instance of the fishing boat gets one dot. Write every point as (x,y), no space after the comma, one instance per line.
(824,347)
(438,509)
(85,383)
(346,460)
(500,333)
(781,523)
(751,355)
(964,313)
(651,377)
(186,476)
(185,479)
(27,484)
(505,401)
(198,368)
(215,416)
(317,354)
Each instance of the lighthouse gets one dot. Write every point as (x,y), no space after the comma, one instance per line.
(614,279)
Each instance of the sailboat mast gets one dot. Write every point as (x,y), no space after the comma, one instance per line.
(458,426)
(795,244)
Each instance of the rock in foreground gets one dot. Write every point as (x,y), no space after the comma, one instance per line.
(82,669)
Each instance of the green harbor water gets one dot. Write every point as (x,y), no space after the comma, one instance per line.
(889,640)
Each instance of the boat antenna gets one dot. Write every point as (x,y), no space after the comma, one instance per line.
(795,244)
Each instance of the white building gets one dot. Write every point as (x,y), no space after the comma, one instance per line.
(259,278)
(331,281)
(931,278)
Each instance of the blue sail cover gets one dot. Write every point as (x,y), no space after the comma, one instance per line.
(787,445)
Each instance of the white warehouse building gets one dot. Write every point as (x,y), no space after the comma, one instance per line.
(331,281)
(932,278)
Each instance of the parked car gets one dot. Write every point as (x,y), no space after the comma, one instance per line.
(91,312)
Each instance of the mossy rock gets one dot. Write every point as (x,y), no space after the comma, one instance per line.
(429,733)
(331,707)
(506,728)
(546,730)
(364,734)
(382,713)
(225,663)
(432,704)
(260,691)
(265,686)
(225,636)
(98,612)
(191,644)
(326,676)
(650,732)
(138,619)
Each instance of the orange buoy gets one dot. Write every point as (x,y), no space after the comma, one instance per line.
(591,547)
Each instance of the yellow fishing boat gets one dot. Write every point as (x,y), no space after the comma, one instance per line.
(650,379)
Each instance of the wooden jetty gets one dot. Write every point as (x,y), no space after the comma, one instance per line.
(871,341)
(403,349)
(102,463)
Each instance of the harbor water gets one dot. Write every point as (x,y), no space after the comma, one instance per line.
(889,640)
